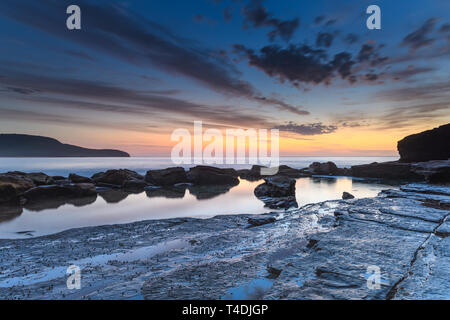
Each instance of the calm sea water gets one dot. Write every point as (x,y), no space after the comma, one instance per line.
(119,207)
(89,166)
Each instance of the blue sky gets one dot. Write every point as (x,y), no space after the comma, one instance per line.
(138,69)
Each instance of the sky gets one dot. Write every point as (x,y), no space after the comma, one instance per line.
(138,70)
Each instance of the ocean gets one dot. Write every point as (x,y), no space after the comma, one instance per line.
(117,207)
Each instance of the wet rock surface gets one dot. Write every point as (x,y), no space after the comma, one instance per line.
(319,251)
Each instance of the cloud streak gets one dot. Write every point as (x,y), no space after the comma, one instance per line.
(134,40)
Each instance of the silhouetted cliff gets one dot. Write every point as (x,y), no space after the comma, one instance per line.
(22,145)
(425,146)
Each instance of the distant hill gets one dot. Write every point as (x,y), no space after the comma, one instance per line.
(22,145)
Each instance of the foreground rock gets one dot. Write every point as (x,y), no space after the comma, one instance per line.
(320,251)
(277,192)
(205,175)
(425,146)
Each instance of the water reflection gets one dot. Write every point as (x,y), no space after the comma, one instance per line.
(117,206)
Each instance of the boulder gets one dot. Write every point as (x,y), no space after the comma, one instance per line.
(116,177)
(8,194)
(276,186)
(166,177)
(11,186)
(346,195)
(53,192)
(40,179)
(326,168)
(425,146)
(437,171)
(254,173)
(392,170)
(277,192)
(205,175)
(287,171)
(79,179)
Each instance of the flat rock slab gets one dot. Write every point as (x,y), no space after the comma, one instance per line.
(320,251)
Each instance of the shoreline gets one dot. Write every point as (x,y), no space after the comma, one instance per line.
(142,259)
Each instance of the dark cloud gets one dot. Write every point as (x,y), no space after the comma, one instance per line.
(202,19)
(21,90)
(134,40)
(370,76)
(369,53)
(437,90)
(258,16)
(228,14)
(94,96)
(324,39)
(309,129)
(299,64)
(402,117)
(420,37)
(351,38)
(319,19)
(284,106)
(445,27)
(410,71)
(330,22)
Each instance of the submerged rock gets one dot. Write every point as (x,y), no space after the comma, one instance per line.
(427,145)
(206,175)
(166,177)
